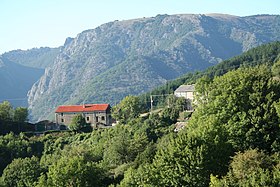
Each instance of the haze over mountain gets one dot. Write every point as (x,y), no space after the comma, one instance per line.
(130,57)
(16,80)
(20,69)
(37,57)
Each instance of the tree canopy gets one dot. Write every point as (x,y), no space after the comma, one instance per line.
(77,122)
(244,102)
(20,114)
(22,172)
(75,171)
(251,168)
(127,109)
(235,112)
(6,111)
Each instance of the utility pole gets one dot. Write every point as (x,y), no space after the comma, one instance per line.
(151,97)
(168,102)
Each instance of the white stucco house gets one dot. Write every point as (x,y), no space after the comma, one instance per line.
(188,92)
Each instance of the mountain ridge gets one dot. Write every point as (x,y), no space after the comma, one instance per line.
(16,80)
(154,49)
(267,54)
(36,57)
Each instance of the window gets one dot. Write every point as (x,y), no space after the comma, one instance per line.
(61,114)
(62,120)
(87,118)
(96,119)
(103,118)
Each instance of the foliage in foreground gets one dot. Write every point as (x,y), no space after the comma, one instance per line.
(251,168)
(22,172)
(232,139)
(236,112)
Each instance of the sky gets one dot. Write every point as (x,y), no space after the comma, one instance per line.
(26,24)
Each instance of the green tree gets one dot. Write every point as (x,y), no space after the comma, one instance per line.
(251,168)
(176,105)
(22,172)
(137,177)
(11,147)
(202,89)
(190,158)
(124,146)
(185,160)
(77,122)
(75,171)
(244,102)
(6,111)
(20,114)
(276,69)
(240,112)
(127,109)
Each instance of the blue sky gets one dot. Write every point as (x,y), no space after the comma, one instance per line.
(38,23)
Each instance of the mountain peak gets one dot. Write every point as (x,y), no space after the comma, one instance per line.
(221,15)
(133,56)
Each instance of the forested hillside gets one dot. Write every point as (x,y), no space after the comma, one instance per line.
(20,69)
(16,80)
(266,54)
(36,58)
(231,139)
(134,56)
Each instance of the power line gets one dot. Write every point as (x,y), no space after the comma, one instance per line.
(14,99)
(206,72)
(162,95)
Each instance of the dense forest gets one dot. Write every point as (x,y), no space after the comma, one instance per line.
(231,139)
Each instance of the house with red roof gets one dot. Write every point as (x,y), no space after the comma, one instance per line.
(94,114)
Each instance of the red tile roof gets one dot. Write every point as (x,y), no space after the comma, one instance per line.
(83,108)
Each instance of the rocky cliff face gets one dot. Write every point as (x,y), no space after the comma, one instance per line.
(134,56)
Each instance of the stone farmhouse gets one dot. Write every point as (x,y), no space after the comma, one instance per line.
(188,92)
(94,114)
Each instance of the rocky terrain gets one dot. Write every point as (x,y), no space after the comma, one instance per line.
(133,56)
